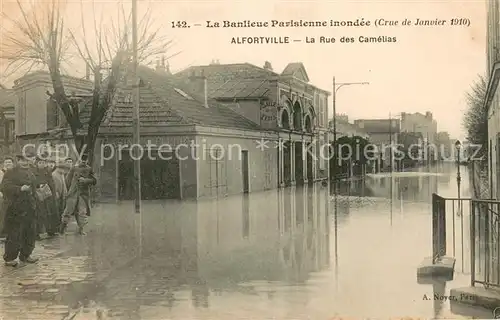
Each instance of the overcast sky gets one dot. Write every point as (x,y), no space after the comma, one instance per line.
(427,69)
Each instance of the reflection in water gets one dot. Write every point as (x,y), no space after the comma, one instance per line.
(210,251)
(267,255)
(336,191)
(403,186)
(438,289)
(246,216)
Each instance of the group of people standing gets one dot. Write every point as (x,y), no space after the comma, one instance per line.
(40,196)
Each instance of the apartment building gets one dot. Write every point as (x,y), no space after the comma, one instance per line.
(493,95)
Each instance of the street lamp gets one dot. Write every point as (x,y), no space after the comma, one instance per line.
(458,146)
(336,88)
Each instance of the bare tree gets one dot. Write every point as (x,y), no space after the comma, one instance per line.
(39,37)
(475,119)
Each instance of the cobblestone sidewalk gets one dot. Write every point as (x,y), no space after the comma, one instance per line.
(58,285)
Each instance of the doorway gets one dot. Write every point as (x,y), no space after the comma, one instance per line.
(309,157)
(244,171)
(287,163)
(160,179)
(299,163)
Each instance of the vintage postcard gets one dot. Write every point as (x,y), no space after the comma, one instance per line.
(188,159)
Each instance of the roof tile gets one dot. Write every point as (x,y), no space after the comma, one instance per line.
(162,104)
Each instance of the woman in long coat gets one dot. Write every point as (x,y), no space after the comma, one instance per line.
(61,191)
(79,179)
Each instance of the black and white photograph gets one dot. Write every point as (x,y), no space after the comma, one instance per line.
(279,159)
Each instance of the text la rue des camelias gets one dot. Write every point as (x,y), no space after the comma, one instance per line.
(325,39)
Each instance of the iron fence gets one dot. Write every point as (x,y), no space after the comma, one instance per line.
(478,179)
(468,230)
(485,236)
(450,232)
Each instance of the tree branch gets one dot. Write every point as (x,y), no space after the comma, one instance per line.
(38,39)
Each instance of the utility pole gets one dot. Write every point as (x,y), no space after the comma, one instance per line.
(391,187)
(336,87)
(136,123)
(334,98)
(390,143)
(331,178)
(458,146)
(427,151)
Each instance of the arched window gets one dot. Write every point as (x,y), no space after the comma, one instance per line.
(285,119)
(297,116)
(308,124)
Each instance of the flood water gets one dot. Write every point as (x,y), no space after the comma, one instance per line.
(294,253)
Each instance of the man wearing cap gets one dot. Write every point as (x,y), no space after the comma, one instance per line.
(51,165)
(18,185)
(81,178)
(69,165)
(8,164)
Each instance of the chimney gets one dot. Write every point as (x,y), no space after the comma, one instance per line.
(167,69)
(268,66)
(197,81)
(205,85)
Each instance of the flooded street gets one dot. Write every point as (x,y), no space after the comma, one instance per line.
(295,253)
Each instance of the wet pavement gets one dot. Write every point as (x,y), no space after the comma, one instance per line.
(295,253)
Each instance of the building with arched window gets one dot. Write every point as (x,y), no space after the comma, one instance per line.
(285,104)
(208,131)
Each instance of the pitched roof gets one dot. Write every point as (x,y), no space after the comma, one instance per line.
(232,70)
(193,110)
(296,69)
(164,102)
(220,75)
(152,109)
(242,89)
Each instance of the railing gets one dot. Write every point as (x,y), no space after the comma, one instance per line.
(468,230)
(450,235)
(485,235)
(438,227)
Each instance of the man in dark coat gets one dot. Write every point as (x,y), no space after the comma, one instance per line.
(8,164)
(47,217)
(80,179)
(19,186)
